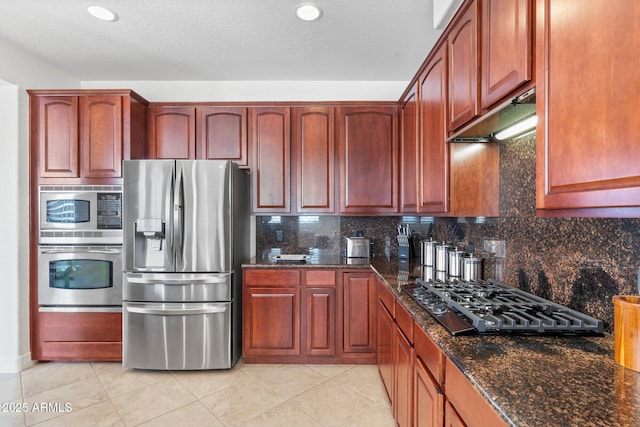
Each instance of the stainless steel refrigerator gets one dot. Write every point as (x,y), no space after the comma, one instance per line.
(186,234)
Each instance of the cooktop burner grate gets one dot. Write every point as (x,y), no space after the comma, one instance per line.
(491,307)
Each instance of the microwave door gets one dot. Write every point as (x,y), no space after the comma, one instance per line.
(205,216)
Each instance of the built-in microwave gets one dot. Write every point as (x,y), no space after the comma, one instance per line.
(80,276)
(80,214)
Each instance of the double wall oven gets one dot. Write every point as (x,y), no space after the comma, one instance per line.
(80,248)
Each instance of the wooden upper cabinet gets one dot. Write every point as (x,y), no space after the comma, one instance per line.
(588,126)
(409,152)
(172,133)
(54,123)
(434,160)
(271,157)
(506,48)
(368,153)
(101,136)
(222,134)
(475,179)
(463,68)
(312,130)
(85,134)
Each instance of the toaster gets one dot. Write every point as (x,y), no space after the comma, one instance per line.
(358,247)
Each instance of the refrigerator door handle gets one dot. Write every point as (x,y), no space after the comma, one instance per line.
(177,281)
(170,255)
(177,218)
(177,312)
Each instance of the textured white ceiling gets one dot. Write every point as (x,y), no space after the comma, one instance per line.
(367,40)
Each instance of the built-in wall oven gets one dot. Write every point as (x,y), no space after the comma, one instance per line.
(80,248)
(80,276)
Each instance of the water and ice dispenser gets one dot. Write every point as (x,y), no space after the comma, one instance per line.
(150,244)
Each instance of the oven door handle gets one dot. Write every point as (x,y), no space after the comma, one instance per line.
(81,251)
(177,312)
(181,281)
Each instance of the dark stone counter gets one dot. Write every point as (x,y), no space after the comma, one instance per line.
(531,380)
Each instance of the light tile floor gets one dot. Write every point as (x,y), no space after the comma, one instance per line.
(106,394)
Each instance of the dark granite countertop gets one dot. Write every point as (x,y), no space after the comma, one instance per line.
(531,380)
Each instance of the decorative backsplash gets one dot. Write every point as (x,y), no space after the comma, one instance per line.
(577,262)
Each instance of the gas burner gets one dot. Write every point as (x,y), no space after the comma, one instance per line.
(491,307)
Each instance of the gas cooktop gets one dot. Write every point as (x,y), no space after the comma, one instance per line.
(487,307)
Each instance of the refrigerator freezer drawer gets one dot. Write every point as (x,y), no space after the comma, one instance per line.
(176,336)
(177,287)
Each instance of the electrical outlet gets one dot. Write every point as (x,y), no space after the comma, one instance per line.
(278,235)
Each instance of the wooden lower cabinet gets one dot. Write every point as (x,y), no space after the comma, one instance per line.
(271,321)
(470,405)
(319,318)
(295,316)
(425,388)
(403,355)
(451,417)
(428,399)
(358,302)
(78,337)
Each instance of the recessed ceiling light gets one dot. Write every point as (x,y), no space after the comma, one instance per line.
(308,11)
(102,13)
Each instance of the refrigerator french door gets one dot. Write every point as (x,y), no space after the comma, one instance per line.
(186,234)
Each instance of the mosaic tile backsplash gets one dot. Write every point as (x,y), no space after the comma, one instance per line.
(577,262)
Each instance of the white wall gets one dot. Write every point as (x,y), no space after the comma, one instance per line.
(222,91)
(19,71)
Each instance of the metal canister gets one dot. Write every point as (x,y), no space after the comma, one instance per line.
(471,268)
(442,253)
(455,263)
(428,253)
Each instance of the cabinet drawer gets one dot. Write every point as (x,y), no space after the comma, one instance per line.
(386,297)
(276,277)
(319,277)
(472,407)
(429,353)
(404,321)
(77,351)
(80,327)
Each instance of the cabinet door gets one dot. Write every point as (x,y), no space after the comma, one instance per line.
(54,125)
(314,155)
(506,48)
(271,321)
(368,147)
(101,136)
(403,356)
(463,69)
(434,159)
(172,133)
(270,156)
(222,134)
(358,313)
(428,400)
(471,406)
(409,152)
(475,179)
(385,331)
(451,417)
(320,321)
(587,150)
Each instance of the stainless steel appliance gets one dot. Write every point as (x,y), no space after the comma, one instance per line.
(465,307)
(186,234)
(358,247)
(80,214)
(74,277)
